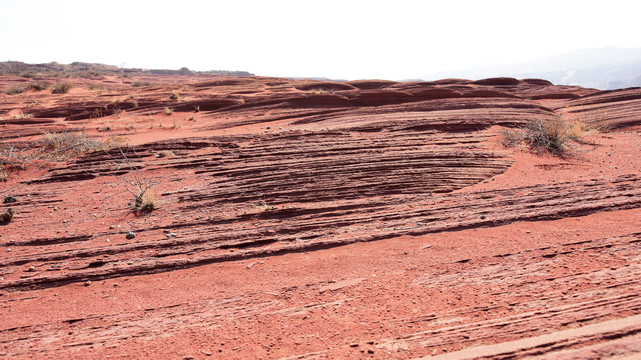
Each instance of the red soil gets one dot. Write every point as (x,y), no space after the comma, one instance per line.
(302,219)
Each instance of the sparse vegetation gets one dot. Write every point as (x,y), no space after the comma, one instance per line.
(93,86)
(145,201)
(140,83)
(39,85)
(320,91)
(67,144)
(553,136)
(23,115)
(14,155)
(52,147)
(134,102)
(14,89)
(62,88)
(169,111)
(595,120)
(139,186)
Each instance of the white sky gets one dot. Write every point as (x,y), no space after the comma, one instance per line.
(346,39)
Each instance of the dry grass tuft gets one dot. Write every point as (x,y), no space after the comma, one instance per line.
(14,89)
(39,85)
(67,144)
(62,88)
(23,116)
(145,201)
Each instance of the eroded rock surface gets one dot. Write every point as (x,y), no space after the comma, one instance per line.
(309,219)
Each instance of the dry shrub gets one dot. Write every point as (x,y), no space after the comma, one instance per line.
(145,201)
(39,85)
(596,120)
(64,145)
(14,89)
(136,183)
(62,88)
(553,136)
(12,154)
(169,111)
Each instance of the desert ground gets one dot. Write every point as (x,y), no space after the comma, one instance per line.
(309,219)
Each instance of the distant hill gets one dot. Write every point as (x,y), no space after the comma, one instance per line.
(602,68)
(82,69)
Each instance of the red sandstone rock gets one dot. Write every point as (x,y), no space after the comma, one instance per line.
(389,221)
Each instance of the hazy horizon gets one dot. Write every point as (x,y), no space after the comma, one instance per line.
(338,40)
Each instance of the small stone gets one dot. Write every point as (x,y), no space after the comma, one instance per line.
(205,352)
(130,235)
(171,234)
(370,351)
(31,268)
(353,345)
(111,227)
(10,199)
(87,283)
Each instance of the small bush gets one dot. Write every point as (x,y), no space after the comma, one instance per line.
(93,86)
(63,145)
(14,89)
(553,136)
(39,85)
(62,88)
(145,201)
(169,111)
